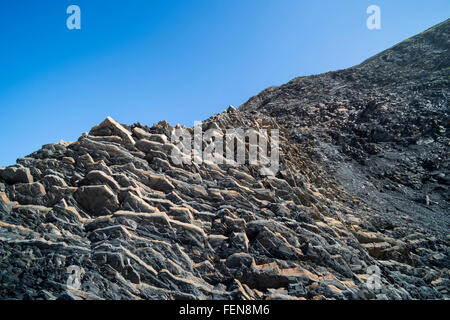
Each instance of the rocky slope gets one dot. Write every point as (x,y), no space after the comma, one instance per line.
(363,182)
(386,119)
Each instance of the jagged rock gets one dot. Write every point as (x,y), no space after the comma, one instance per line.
(217,241)
(68,160)
(14,175)
(96,177)
(240,241)
(189,233)
(134,203)
(97,200)
(34,189)
(4,202)
(237,260)
(131,274)
(376,249)
(109,127)
(53,180)
(159,219)
(144,135)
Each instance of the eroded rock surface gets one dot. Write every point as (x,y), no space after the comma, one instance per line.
(345,201)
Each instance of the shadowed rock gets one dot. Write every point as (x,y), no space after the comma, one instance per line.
(97,200)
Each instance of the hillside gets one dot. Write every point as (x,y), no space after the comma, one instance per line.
(362,186)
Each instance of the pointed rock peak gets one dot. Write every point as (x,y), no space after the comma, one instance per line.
(110,127)
(107,123)
(231,109)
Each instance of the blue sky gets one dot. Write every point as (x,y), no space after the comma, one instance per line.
(180,61)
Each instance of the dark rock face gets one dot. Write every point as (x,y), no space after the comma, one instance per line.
(16,175)
(97,200)
(362,191)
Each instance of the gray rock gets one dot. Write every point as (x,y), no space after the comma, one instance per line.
(110,127)
(97,200)
(14,175)
(238,260)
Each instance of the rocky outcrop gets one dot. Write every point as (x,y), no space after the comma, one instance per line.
(16,175)
(112,210)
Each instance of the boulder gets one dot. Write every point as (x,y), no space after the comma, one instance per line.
(53,180)
(142,134)
(157,182)
(110,127)
(97,177)
(14,175)
(34,189)
(238,260)
(134,203)
(181,214)
(97,200)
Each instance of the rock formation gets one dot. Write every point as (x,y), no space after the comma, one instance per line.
(359,208)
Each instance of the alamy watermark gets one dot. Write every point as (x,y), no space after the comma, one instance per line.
(374,280)
(374,20)
(75,274)
(235,146)
(74,20)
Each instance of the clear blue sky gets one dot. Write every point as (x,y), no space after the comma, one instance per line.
(175,60)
